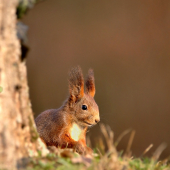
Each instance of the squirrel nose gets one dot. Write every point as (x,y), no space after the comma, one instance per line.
(97,120)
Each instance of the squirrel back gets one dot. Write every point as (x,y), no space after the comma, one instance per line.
(67,126)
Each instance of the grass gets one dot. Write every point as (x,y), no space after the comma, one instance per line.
(60,159)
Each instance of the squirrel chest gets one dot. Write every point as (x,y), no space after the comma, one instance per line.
(75,132)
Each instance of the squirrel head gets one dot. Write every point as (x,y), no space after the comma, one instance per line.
(81,102)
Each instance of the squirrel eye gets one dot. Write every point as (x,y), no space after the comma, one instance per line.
(84,107)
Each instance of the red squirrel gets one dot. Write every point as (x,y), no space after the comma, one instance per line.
(66,127)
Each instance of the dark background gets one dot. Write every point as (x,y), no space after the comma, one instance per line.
(127,43)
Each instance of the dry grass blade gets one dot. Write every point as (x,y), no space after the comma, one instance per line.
(158,151)
(121,136)
(101,145)
(108,134)
(166,160)
(128,151)
(88,141)
(147,149)
(109,140)
(111,134)
(99,152)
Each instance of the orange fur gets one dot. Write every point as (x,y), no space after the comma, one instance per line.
(90,86)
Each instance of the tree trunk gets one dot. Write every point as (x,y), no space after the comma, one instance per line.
(18,137)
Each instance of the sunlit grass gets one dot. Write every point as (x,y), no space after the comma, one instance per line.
(101,160)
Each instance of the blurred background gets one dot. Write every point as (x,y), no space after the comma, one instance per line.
(127,43)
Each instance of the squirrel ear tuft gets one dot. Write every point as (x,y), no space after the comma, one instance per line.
(90,86)
(76,84)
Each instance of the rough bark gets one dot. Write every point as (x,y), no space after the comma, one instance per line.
(17,128)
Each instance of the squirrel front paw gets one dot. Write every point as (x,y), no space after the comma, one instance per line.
(82,150)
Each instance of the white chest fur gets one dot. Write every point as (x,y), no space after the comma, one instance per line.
(75,132)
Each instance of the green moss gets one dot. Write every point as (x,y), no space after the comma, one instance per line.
(148,164)
(33,130)
(1,89)
(24,6)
